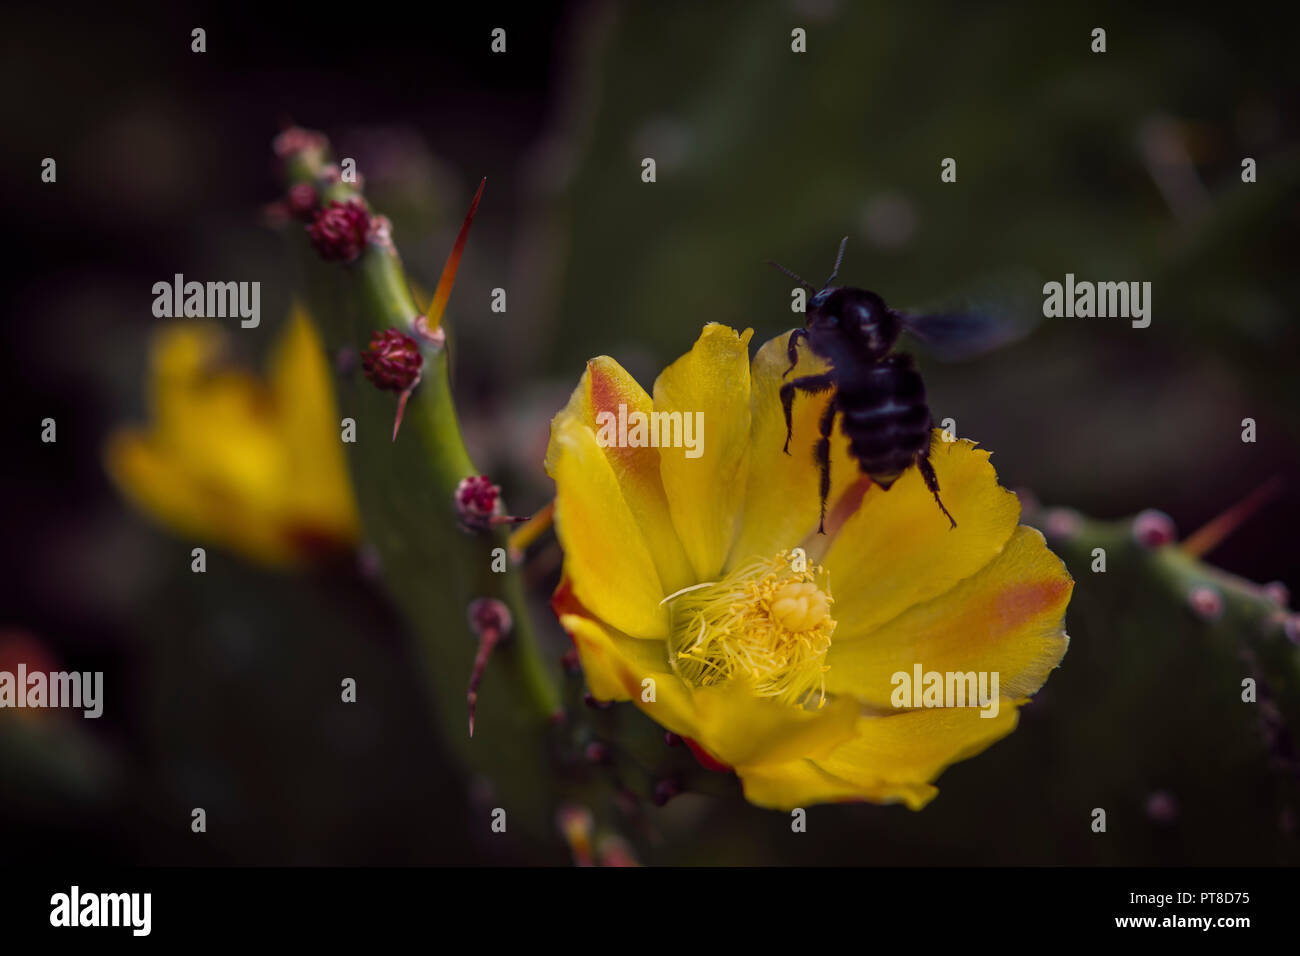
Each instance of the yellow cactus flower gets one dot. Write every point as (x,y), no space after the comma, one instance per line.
(255,465)
(695,584)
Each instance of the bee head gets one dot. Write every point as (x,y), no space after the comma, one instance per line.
(856,314)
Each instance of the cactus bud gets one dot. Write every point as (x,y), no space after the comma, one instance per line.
(477,500)
(294,140)
(302,202)
(1061,524)
(478,505)
(1291,627)
(1153,529)
(491,621)
(380,234)
(1277,592)
(665,790)
(339,230)
(489,613)
(1206,602)
(392,361)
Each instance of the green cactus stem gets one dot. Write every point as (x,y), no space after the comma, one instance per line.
(405,487)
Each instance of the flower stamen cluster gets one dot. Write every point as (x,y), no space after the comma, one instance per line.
(765,623)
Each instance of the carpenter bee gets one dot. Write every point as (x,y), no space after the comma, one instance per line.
(877,391)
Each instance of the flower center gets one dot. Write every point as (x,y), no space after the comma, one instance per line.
(768,622)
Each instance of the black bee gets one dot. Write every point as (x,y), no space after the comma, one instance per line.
(878,392)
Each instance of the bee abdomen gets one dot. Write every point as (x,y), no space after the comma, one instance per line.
(876,435)
(888,414)
(886,420)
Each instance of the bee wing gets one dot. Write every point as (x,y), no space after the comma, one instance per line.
(953,336)
(996,313)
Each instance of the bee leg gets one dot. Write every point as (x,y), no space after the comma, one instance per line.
(822,456)
(932,482)
(812,384)
(792,349)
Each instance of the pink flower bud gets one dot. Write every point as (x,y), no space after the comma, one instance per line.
(302,202)
(1153,529)
(665,790)
(1277,592)
(339,230)
(1291,627)
(1062,524)
(490,620)
(295,140)
(392,361)
(477,501)
(1206,602)
(489,614)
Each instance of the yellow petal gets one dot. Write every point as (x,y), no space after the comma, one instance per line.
(782,503)
(180,355)
(898,549)
(705,493)
(742,729)
(616,667)
(798,783)
(604,387)
(318,489)
(606,555)
(214,421)
(1008,618)
(897,757)
(231,459)
(210,465)
(736,727)
(158,485)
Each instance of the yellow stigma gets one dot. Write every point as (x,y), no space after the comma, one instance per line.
(799,606)
(768,622)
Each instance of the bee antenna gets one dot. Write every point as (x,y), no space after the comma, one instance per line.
(839,257)
(796,278)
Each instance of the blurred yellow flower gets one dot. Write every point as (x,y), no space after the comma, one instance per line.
(685,587)
(255,465)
